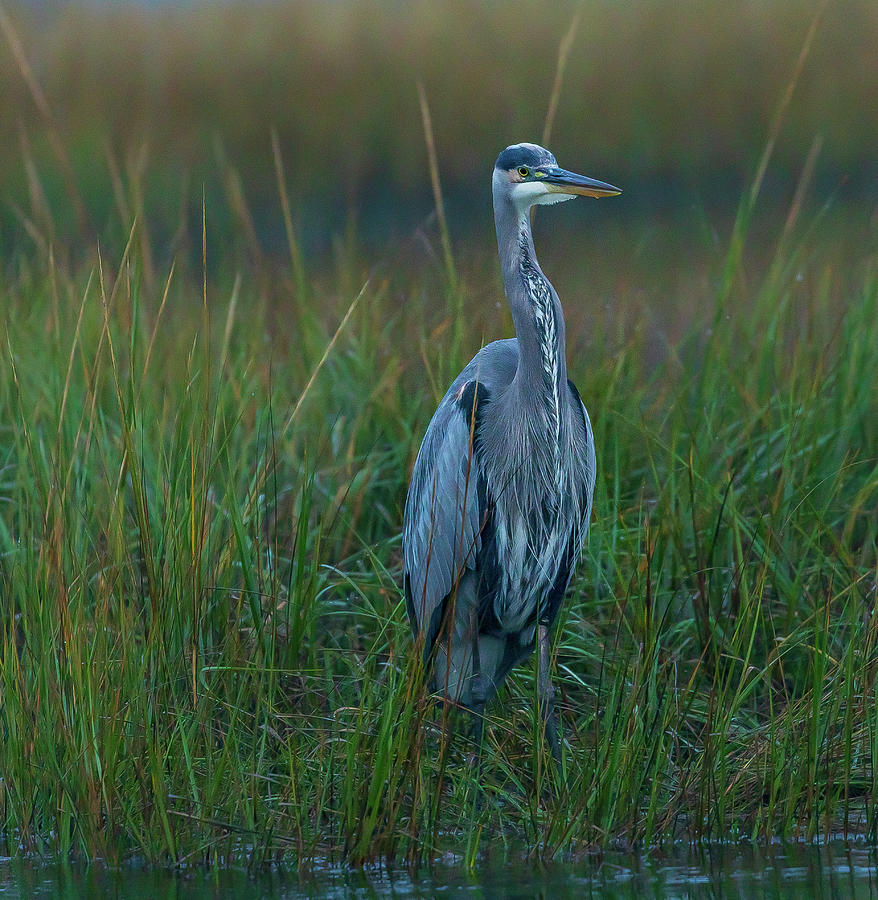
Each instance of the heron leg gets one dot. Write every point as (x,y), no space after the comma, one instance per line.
(479,698)
(546,692)
(478,693)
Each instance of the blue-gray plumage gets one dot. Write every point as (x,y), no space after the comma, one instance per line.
(500,496)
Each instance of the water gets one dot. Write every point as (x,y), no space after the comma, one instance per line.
(782,872)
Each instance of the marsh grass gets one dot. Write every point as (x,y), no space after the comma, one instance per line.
(205,657)
(204,650)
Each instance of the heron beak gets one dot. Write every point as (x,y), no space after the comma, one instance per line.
(560,181)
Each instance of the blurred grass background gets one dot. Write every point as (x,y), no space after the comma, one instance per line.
(671,101)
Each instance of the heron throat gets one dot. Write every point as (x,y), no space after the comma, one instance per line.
(549,334)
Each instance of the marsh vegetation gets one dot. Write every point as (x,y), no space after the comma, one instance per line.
(205,441)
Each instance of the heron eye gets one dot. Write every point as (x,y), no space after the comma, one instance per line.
(523,171)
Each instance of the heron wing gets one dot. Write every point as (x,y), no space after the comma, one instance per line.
(446,508)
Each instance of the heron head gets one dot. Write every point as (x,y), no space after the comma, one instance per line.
(529,174)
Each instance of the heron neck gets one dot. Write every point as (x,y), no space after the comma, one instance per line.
(536,311)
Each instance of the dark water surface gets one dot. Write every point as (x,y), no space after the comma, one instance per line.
(834,870)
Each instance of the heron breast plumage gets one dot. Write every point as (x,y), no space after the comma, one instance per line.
(538,509)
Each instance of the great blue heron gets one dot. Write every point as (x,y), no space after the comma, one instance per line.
(500,496)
